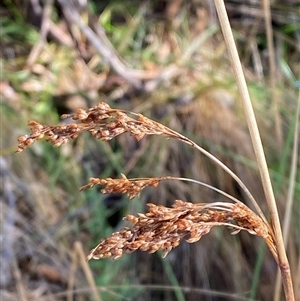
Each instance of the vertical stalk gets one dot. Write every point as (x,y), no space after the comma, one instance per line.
(290,195)
(273,71)
(258,149)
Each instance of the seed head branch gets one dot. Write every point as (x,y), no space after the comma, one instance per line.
(101,121)
(133,187)
(164,228)
(105,123)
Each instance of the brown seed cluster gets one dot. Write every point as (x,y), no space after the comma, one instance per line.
(57,135)
(164,228)
(245,218)
(161,228)
(101,121)
(132,187)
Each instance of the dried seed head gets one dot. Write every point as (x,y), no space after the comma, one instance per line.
(161,228)
(164,228)
(132,187)
(101,121)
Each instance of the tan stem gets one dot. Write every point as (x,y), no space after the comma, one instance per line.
(273,72)
(258,149)
(290,196)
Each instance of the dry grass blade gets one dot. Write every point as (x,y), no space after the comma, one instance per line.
(164,228)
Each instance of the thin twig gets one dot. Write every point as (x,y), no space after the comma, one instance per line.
(35,51)
(87,270)
(99,40)
(19,282)
(59,34)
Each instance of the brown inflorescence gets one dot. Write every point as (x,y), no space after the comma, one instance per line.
(132,187)
(161,228)
(57,135)
(164,228)
(101,121)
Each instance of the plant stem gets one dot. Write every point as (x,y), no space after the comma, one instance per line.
(171,133)
(273,73)
(258,149)
(290,196)
(224,167)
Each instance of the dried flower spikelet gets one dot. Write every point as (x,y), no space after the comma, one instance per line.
(102,122)
(249,221)
(132,187)
(161,228)
(164,228)
(90,115)
(36,134)
(57,135)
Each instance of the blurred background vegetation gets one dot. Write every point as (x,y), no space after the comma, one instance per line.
(167,60)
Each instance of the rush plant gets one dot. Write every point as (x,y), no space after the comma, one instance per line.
(163,228)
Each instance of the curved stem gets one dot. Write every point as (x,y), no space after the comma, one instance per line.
(228,170)
(208,186)
(196,182)
(164,130)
